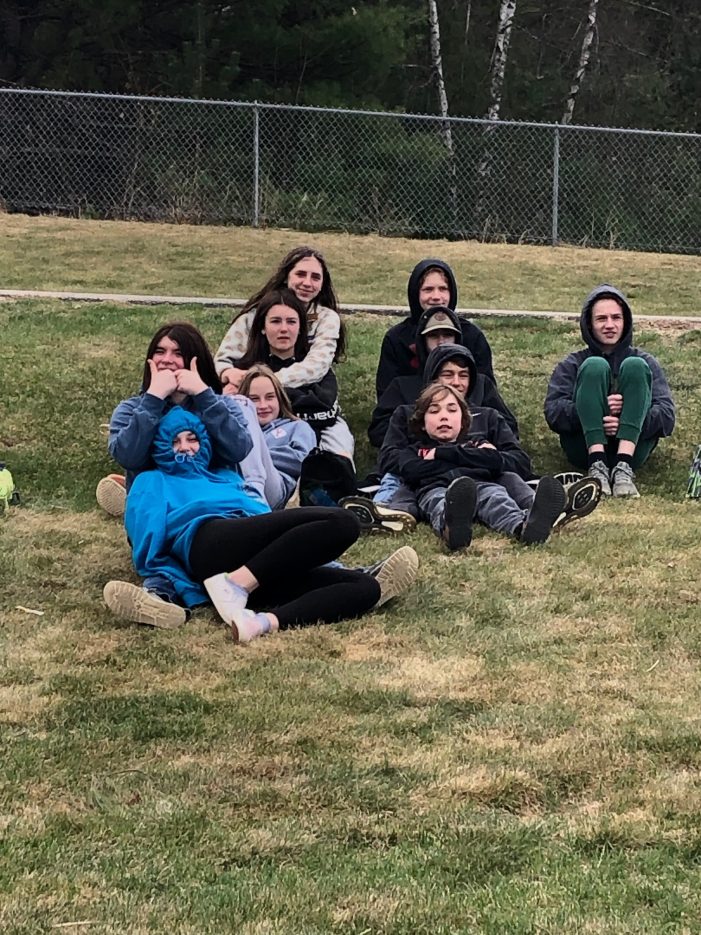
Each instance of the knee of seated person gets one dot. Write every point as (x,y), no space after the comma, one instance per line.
(346,524)
(594,367)
(634,367)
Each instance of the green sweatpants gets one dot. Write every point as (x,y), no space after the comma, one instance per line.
(593,386)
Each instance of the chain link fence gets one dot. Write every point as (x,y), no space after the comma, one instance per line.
(220,162)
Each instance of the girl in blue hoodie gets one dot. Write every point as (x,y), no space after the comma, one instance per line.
(196,525)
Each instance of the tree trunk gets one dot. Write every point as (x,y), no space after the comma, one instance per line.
(507,11)
(437,66)
(584,56)
(486,219)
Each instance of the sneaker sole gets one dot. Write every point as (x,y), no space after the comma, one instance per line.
(136,605)
(460,504)
(567,478)
(111,496)
(397,574)
(583,497)
(375,519)
(549,503)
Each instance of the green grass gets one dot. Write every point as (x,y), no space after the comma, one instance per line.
(513,748)
(110,256)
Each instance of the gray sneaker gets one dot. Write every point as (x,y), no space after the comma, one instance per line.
(623,481)
(600,471)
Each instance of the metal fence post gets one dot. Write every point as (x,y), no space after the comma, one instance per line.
(556,185)
(256,164)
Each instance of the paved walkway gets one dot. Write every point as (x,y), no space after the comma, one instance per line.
(127,299)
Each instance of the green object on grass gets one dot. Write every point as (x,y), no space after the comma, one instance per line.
(8,494)
(693,489)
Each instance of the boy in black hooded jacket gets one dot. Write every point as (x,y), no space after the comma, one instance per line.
(609,403)
(431,283)
(458,476)
(438,328)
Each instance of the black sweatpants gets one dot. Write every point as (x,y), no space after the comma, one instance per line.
(283,551)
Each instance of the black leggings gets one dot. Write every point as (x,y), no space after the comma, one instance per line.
(283,551)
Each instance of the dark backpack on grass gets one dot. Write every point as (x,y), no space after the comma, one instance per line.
(325,479)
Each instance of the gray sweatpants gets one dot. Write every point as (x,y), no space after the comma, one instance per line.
(502,504)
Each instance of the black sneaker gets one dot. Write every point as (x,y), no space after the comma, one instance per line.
(549,502)
(378,519)
(582,499)
(460,503)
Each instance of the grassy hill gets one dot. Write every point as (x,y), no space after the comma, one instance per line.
(513,748)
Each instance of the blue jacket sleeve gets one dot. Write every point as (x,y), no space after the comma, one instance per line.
(291,452)
(132,427)
(226,425)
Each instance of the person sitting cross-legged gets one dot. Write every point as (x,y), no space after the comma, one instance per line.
(609,403)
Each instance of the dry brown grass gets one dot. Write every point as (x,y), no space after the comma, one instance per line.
(114,256)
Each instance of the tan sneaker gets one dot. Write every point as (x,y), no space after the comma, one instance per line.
(111,494)
(396,573)
(138,605)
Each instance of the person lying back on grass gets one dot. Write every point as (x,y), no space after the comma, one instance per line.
(196,526)
(459,479)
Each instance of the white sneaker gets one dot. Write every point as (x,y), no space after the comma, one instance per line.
(245,627)
(132,603)
(226,597)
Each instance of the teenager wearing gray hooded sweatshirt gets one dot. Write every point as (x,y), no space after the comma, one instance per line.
(609,403)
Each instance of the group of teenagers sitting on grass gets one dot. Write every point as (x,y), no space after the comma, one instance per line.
(240,487)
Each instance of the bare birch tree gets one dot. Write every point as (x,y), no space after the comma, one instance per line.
(437,66)
(483,216)
(507,11)
(584,56)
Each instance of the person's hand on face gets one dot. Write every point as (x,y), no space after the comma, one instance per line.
(611,425)
(189,381)
(615,402)
(231,379)
(163,382)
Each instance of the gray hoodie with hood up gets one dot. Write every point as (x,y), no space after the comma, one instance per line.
(560,412)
